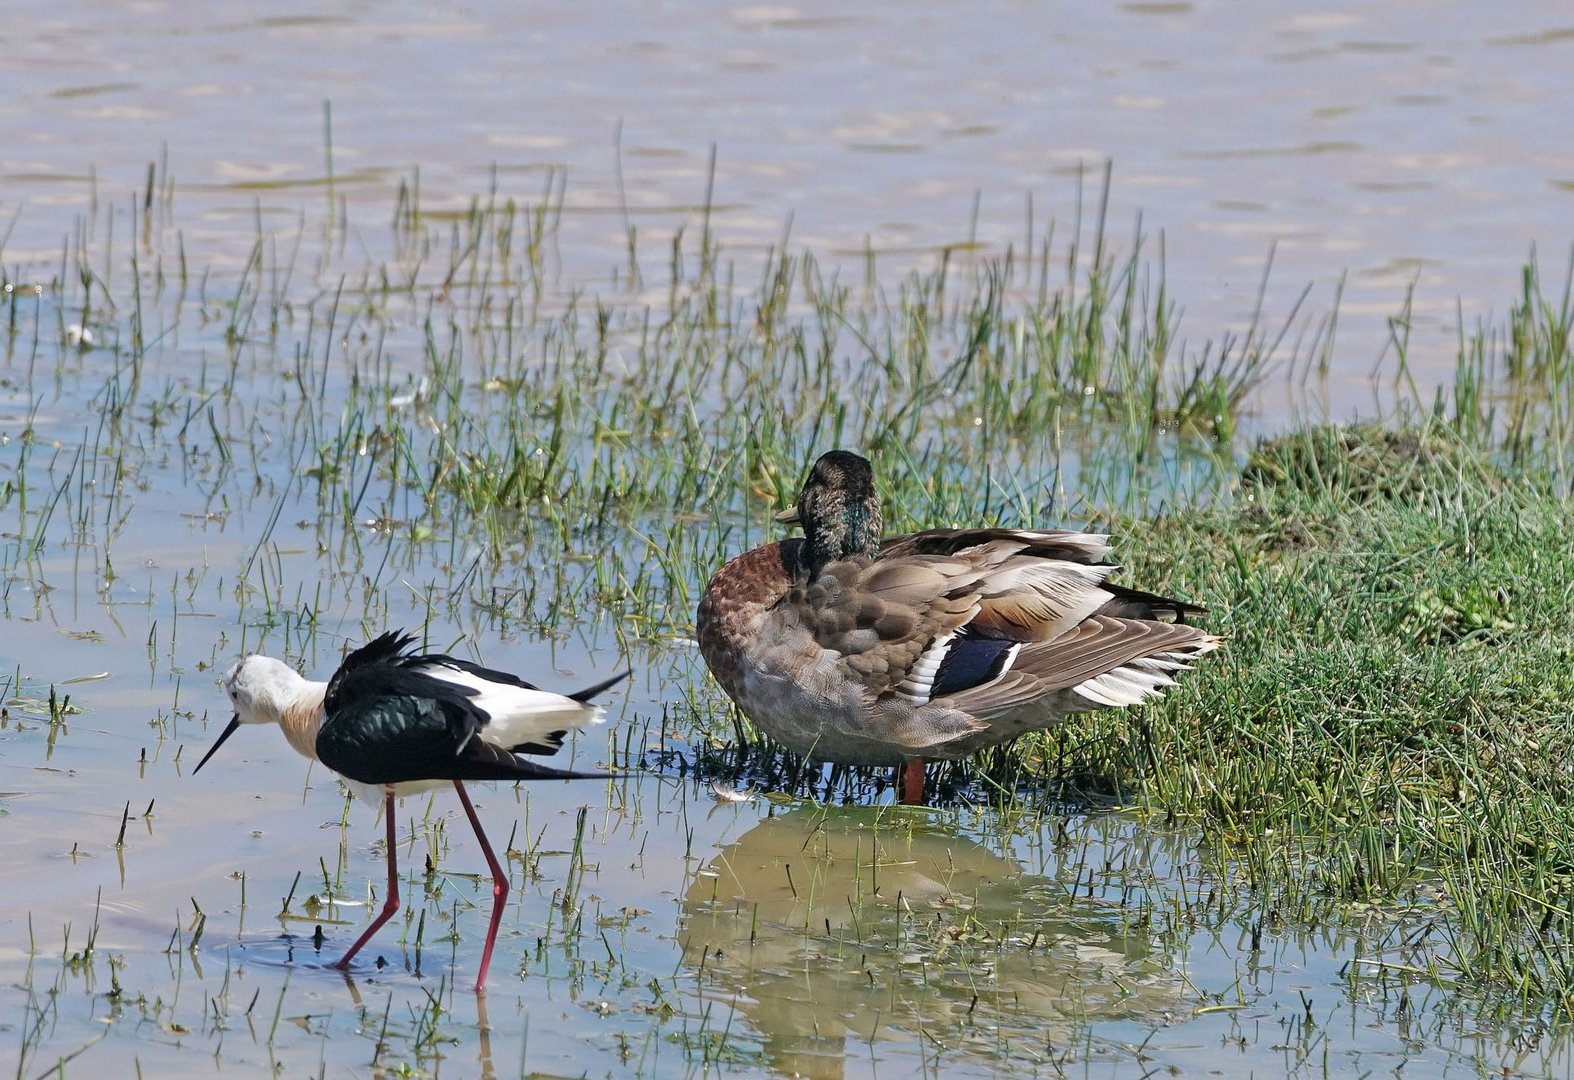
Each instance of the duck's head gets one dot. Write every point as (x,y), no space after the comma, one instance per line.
(838,509)
(260,688)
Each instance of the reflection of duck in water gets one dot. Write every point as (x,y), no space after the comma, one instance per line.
(830,935)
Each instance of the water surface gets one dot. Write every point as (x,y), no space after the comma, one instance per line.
(1366,146)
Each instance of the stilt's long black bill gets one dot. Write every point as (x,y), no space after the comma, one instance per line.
(226,733)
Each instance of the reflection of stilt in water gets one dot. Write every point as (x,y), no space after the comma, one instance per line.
(827,929)
(355,991)
(487,1073)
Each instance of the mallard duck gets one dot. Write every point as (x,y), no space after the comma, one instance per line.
(849,648)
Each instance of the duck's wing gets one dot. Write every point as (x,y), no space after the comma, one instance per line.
(1106,661)
(986,620)
(1062,544)
(1089,549)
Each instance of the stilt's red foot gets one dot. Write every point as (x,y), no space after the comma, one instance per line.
(910,782)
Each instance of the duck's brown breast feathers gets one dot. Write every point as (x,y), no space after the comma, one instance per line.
(734,601)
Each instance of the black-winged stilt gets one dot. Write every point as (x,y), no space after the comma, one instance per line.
(392,723)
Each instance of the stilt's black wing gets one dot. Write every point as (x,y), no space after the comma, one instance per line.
(386,723)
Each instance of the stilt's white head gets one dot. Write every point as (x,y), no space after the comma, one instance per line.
(263,690)
(260,688)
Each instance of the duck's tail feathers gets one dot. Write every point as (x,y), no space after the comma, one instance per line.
(1144,677)
(1129,603)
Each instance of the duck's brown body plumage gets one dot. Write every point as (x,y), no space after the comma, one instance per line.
(931,645)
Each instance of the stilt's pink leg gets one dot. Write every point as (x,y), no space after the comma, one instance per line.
(499,887)
(391,904)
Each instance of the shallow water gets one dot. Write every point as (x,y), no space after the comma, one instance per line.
(692,936)
(704,937)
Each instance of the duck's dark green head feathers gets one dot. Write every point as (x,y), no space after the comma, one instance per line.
(838,509)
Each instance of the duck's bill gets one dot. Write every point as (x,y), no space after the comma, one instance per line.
(789,516)
(225,734)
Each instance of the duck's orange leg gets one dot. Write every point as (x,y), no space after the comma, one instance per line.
(910,782)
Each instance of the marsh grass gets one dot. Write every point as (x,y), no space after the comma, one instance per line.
(618,443)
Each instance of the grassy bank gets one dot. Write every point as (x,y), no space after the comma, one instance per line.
(1391,721)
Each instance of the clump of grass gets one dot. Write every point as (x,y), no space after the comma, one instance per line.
(1366,463)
